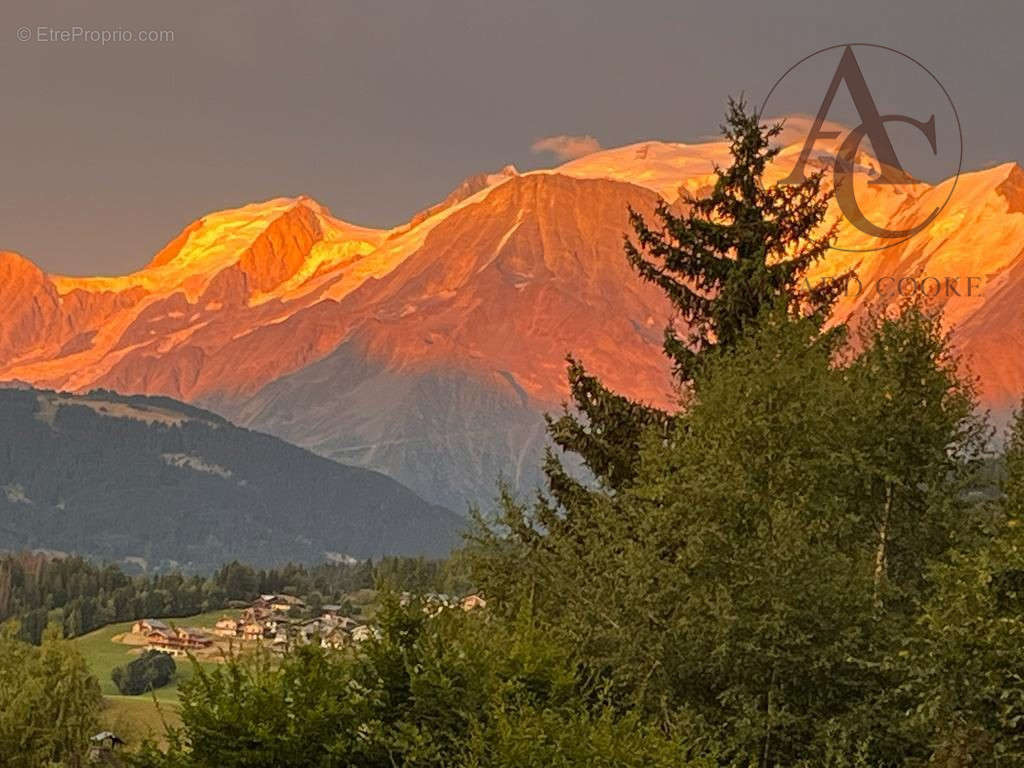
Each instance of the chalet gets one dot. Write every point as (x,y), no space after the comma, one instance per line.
(472,602)
(161,640)
(335,638)
(177,642)
(145,626)
(276,623)
(228,627)
(255,613)
(285,603)
(192,637)
(254,630)
(307,630)
(345,623)
(280,603)
(331,611)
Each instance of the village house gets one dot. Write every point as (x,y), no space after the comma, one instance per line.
(255,612)
(228,627)
(177,642)
(346,623)
(277,623)
(254,630)
(307,630)
(145,626)
(335,638)
(191,637)
(279,603)
(264,620)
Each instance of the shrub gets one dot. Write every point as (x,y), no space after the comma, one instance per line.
(151,670)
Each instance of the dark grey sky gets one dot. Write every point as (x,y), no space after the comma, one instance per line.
(379,108)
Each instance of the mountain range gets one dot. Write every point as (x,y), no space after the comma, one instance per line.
(430,351)
(155,482)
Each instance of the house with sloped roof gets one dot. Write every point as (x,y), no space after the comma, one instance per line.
(145,626)
(228,627)
(335,638)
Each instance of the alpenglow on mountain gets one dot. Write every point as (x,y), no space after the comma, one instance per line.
(430,351)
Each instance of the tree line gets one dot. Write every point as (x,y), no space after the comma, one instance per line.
(80,595)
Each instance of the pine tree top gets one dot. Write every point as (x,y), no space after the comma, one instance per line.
(738,250)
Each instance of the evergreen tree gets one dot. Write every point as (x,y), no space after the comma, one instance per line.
(745,247)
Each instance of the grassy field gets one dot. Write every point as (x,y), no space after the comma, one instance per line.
(103,654)
(135,717)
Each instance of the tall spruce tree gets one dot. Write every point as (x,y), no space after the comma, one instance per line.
(745,247)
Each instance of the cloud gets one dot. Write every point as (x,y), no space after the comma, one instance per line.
(566,147)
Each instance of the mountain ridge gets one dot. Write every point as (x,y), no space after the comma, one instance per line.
(120,477)
(269,311)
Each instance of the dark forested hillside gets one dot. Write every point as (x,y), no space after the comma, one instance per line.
(139,477)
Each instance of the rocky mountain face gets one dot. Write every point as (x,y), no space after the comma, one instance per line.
(430,351)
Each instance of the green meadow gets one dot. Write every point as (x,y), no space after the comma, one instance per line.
(135,717)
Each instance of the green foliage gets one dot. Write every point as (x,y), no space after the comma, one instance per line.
(740,586)
(965,663)
(748,567)
(742,249)
(455,690)
(1013,484)
(920,446)
(48,702)
(83,596)
(188,487)
(151,670)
